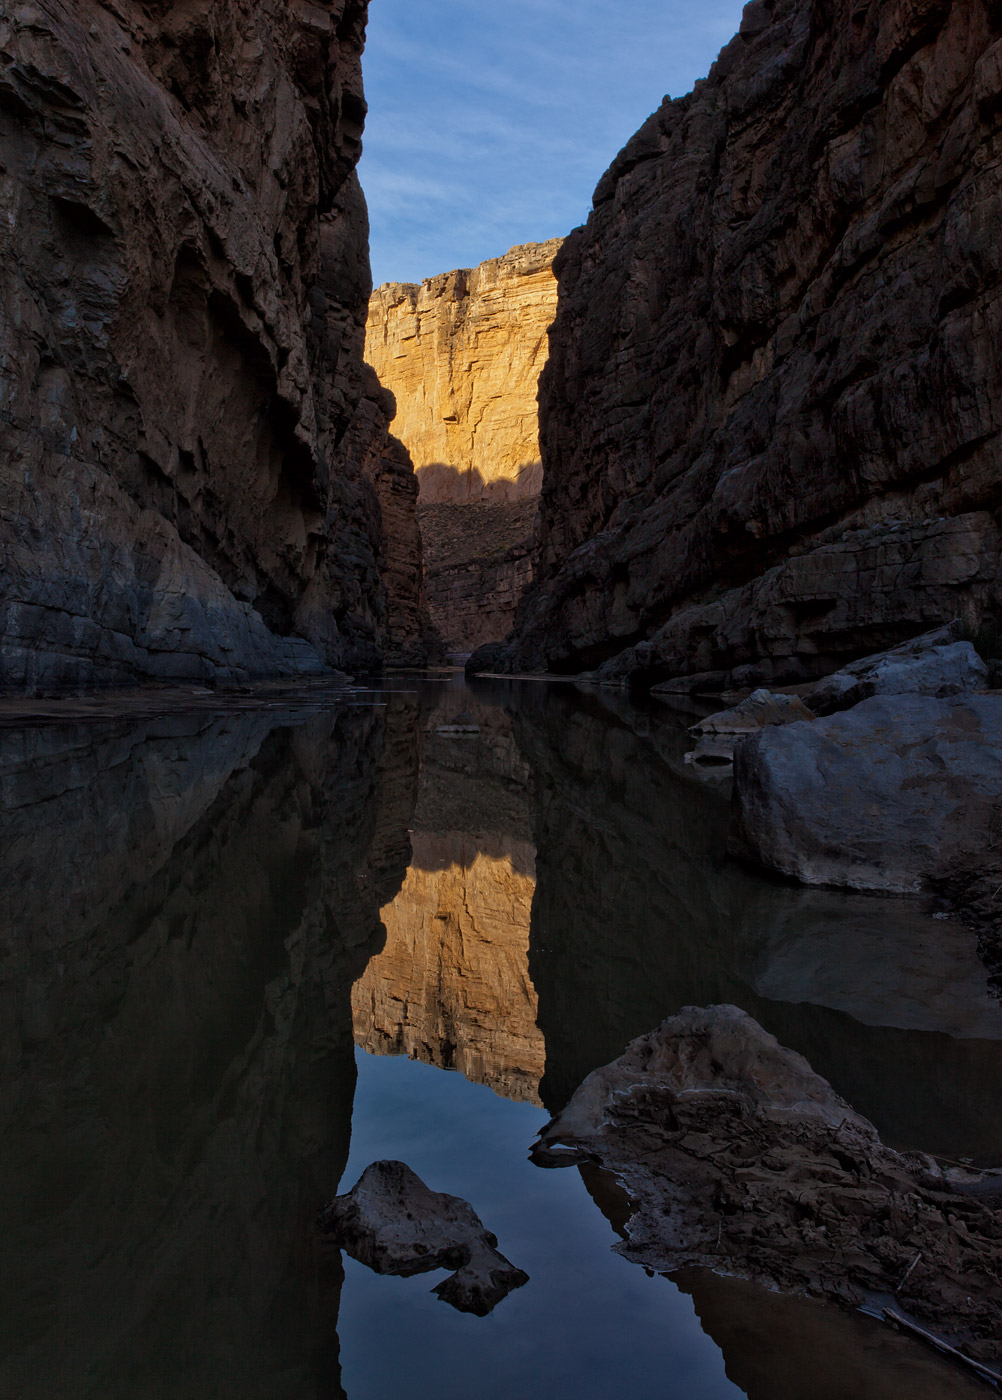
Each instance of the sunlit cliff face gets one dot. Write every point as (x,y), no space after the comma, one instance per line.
(462,354)
(452,985)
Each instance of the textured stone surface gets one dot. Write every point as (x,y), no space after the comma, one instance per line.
(393,1223)
(637,914)
(891,795)
(738,1157)
(462,354)
(934,664)
(478,563)
(770,418)
(184,282)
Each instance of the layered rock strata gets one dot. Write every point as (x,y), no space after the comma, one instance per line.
(184,284)
(478,563)
(770,418)
(462,355)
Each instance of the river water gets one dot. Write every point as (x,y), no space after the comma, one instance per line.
(243,955)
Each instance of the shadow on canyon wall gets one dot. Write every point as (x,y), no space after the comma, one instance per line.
(440,483)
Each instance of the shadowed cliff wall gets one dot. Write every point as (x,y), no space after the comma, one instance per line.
(770,418)
(183,281)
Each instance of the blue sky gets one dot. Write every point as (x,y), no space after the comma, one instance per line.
(491,121)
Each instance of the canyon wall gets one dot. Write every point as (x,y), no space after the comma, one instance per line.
(462,354)
(770,418)
(184,278)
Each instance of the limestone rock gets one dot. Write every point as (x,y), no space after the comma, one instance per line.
(393,1223)
(462,355)
(184,285)
(771,414)
(891,795)
(736,1156)
(934,664)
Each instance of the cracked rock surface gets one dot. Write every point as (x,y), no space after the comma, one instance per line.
(736,1156)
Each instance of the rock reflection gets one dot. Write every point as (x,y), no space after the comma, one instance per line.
(638,912)
(185,906)
(451,986)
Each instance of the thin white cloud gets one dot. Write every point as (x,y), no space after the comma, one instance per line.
(491,121)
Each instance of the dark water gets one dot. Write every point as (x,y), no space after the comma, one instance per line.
(243,956)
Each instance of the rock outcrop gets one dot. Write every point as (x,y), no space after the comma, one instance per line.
(184,285)
(770,418)
(637,914)
(736,1156)
(391,1222)
(462,355)
(479,559)
(937,663)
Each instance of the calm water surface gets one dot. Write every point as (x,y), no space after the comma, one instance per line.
(244,955)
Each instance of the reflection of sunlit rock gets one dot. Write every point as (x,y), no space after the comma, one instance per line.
(452,985)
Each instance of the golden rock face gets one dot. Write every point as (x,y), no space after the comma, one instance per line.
(452,987)
(462,354)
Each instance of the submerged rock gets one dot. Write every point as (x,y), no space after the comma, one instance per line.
(738,1157)
(719,733)
(393,1223)
(762,708)
(892,795)
(937,663)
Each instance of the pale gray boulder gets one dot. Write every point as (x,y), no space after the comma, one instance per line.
(893,794)
(718,733)
(937,663)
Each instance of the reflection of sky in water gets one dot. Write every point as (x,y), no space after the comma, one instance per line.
(587,1326)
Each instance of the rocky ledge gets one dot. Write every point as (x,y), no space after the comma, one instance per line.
(737,1157)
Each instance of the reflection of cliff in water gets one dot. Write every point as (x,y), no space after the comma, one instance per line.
(185,905)
(638,912)
(451,987)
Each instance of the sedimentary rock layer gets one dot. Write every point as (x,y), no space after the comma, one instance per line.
(770,419)
(462,355)
(184,282)
(478,561)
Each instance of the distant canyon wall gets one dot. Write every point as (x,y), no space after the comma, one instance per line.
(770,418)
(183,282)
(461,354)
